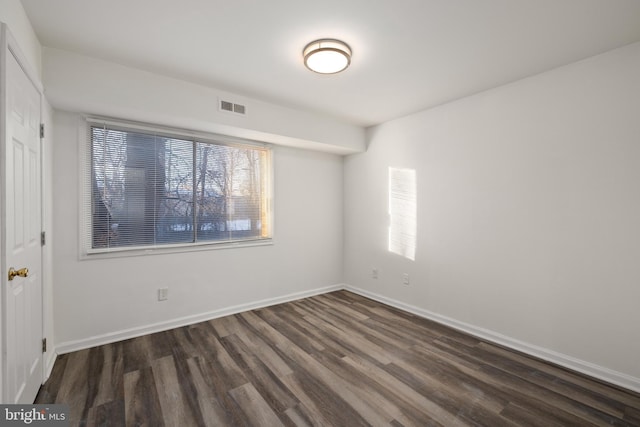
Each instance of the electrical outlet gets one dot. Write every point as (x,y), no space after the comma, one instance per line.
(405,279)
(374,273)
(163,294)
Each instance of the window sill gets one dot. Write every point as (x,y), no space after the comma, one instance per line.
(170,249)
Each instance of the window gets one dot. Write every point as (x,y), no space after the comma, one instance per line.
(159,189)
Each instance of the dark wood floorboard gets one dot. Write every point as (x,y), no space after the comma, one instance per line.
(337,359)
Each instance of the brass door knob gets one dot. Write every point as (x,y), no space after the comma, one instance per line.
(23,272)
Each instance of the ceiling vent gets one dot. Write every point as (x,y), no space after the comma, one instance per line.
(231,107)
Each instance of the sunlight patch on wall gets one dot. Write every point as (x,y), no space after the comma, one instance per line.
(403,212)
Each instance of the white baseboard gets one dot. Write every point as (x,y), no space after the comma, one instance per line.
(69,346)
(599,372)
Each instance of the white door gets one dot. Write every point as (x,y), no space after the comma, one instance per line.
(22,297)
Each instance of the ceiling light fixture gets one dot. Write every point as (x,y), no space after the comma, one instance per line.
(327,56)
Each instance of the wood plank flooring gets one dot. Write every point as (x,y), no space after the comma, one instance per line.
(337,359)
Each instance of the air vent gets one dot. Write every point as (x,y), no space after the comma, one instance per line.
(233,108)
(226,106)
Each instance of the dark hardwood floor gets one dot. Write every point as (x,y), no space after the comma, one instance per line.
(332,360)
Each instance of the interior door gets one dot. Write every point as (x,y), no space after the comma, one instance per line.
(22,305)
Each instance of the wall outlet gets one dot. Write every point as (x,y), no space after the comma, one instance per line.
(374,273)
(405,279)
(163,294)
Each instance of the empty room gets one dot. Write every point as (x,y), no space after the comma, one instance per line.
(345,213)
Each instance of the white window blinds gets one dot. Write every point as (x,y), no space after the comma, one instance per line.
(151,190)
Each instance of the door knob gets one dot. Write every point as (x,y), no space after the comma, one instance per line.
(23,272)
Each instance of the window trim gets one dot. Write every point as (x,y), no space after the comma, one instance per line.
(85,192)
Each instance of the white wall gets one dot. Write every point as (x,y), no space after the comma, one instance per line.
(104,300)
(12,13)
(528,214)
(75,82)
(108,299)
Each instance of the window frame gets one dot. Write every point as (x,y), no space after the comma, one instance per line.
(85,190)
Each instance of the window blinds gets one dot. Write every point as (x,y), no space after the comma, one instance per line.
(150,190)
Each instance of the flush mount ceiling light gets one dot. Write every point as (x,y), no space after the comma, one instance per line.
(327,56)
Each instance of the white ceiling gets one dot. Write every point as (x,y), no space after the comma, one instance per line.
(408,55)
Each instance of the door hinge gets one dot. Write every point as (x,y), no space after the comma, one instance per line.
(44,345)
(41,130)
(43,238)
